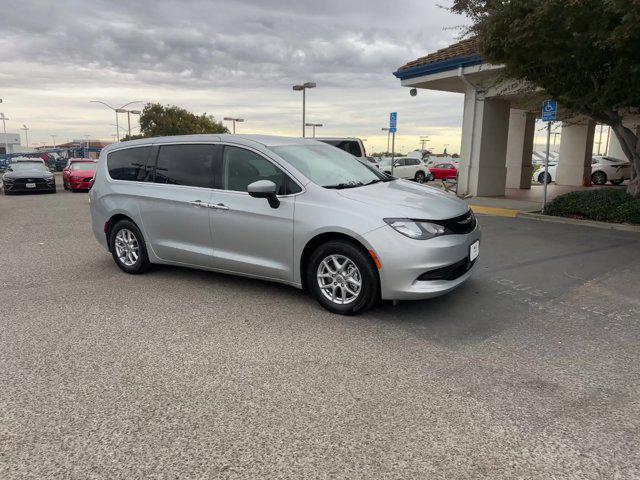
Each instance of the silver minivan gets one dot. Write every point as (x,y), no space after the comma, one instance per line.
(289,210)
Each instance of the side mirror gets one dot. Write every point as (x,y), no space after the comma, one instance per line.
(264,189)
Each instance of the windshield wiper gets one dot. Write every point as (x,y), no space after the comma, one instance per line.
(340,186)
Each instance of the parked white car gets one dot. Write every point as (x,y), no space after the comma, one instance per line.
(406,167)
(603,169)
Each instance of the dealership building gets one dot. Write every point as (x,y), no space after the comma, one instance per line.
(10,142)
(498,124)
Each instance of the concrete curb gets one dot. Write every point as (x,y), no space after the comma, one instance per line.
(584,223)
(495,211)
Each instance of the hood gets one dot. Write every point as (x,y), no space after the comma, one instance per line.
(404,199)
(29,174)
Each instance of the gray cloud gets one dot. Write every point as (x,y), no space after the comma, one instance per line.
(257,47)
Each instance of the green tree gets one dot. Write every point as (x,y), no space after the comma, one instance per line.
(583,53)
(158,120)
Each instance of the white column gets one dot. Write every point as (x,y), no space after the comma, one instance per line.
(484,146)
(576,149)
(520,148)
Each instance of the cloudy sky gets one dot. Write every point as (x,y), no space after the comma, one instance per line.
(227,58)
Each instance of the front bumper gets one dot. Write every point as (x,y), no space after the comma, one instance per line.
(80,185)
(404,260)
(20,186)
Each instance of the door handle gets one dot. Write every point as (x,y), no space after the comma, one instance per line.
(218,206)
(198,203)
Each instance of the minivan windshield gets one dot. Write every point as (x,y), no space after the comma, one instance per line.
(329,167)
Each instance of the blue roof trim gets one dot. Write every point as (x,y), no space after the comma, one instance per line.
(441,66)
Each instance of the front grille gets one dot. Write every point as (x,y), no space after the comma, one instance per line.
(449,273)
(23,181)
(459,225)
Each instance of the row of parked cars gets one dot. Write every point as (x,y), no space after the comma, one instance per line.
(33,175)
(603,169)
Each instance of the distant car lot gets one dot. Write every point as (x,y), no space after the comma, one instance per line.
(531,370)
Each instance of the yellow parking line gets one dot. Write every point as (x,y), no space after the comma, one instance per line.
(495,211)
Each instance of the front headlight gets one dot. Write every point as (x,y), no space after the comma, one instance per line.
(415,229)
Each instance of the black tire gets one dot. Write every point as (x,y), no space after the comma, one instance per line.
(7,192)
(599,178)
(541,178)
(64,184)
(420,177)
(617,181)
(369,290)
(142,264)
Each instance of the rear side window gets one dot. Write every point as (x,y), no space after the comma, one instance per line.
(128,164)
(349,146)
(241,167)
(190,165)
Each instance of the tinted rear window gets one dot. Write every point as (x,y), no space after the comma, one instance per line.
(349,146)
(186,165)
(128,164)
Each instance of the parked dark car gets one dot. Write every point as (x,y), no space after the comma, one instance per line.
(28,176)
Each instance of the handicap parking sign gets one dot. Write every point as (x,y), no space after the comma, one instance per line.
(549,111)
(393,120)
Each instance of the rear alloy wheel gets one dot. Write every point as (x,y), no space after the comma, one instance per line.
(599,178)
(128,248)
(420,177)
(342,277)
(617,181)
(541,178)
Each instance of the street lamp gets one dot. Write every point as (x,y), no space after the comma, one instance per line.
(424,139)
(304,87)
(4,126)
(120,110)
(234,120)
(26,134)
(314,125)
(388,130)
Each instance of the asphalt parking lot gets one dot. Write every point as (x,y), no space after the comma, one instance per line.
(531,370)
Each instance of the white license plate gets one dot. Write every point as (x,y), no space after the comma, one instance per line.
(474,250)
(30,185)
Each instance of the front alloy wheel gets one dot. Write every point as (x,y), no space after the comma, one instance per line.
(420,177)
(342,276)
(599,178)
(339,279)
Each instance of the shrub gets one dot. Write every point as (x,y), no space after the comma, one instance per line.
(605,204)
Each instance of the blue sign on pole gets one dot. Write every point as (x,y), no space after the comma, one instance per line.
(393,120)
(549,111)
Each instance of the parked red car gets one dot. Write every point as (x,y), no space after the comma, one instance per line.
(79,173)
(443,171)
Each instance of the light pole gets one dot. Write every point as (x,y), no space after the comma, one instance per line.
(388,130)
(314,125)
(128,112)
(53,138)
(424,139)
(304,87)
(4,127)
(26,134)
(86,151)
(117,110)
(234,120)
